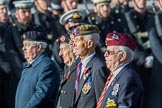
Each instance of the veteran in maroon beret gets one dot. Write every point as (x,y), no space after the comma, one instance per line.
(123,88)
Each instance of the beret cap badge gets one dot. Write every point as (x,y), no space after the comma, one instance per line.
(114,36)
(76,15)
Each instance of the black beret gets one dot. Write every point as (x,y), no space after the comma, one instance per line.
(34,36)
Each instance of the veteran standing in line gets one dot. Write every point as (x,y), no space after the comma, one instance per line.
(68,20)
(91,71)
(13,43)
(123,88)
(68,80)
(39,83)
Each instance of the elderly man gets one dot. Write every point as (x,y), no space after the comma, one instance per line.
(123,88)
(68,80)
(68,20)
(91,71)
(39,83)
(13,43)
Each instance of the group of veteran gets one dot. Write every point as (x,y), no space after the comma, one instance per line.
(91,84)
(87,82)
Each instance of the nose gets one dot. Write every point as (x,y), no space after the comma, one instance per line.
(106,54)
(60,53)
(23,48)
(27,13)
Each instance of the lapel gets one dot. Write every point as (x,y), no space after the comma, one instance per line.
(72,69)
(82,80)
(110,88)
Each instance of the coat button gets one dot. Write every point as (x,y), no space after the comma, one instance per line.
(62,91)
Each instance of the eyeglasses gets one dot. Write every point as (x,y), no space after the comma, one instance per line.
(108,52)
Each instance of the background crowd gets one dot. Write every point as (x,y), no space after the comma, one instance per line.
(62,25)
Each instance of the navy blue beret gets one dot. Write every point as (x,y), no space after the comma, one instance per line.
(34,36)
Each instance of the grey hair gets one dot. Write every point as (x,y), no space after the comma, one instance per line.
(44,44)
(95,37)
(129,51)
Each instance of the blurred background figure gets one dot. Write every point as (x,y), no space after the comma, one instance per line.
(138,23)
(107,20)
(4,64)
(118,13)
(155,37)
(69,5)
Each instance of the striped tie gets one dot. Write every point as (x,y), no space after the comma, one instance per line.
(104,90)
(78,69)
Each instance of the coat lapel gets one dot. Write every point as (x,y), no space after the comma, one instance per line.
(82,80)
(110,88)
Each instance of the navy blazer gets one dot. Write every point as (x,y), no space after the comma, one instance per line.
(39,84)
(90,91)
(125,91)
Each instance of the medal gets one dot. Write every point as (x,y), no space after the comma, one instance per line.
(115,90)
(86,88)
(110,103)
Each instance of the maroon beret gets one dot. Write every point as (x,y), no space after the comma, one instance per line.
(120,39)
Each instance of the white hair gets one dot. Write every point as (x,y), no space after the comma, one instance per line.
(95,37)
(129,51)
(44,44)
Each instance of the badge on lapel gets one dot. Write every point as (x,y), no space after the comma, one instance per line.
(110,103)
(87,86)
(85,73)
(115,90)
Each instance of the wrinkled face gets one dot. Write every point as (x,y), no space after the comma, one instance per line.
(80,46)
(42,4)
(3,13)
(141,4)
(66,53)
(30,50)
(24,15)
(69,4)
(103,10)
(112,58)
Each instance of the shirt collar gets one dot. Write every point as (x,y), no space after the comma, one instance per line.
(116,72)
(35,58)
(86,60)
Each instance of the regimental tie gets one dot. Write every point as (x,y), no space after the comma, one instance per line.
(104,90)
(78,69)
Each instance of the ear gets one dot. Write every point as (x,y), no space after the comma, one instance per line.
(95,9)
(39,47)
(90,43)
(122,55)
(62,3)
(16,14)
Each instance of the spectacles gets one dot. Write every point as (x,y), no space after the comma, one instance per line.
(108,52)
